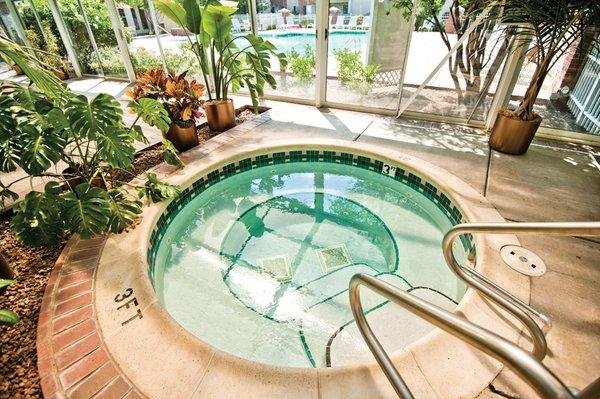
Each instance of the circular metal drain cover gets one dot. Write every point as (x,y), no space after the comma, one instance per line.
(523,260)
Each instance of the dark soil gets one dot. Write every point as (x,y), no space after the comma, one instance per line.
(18,357)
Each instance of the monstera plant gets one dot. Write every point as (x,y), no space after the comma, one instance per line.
(7,316)
(78,144)
(227,62)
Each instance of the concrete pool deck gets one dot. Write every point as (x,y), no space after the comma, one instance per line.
(571,189)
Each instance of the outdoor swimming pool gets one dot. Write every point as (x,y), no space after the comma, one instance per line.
(286,41)
(258,263)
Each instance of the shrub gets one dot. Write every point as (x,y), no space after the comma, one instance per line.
(351,72)
(303,66)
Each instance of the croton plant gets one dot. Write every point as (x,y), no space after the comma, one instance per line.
(180,97)
(80,145)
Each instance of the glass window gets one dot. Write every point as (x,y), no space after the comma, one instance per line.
(366,44)
(465,85)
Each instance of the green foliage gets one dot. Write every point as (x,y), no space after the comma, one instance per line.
(152,112)
(303,65)
(171,155)
(217,49)
(8,317)
(156,191)
(37,130)
(351,71)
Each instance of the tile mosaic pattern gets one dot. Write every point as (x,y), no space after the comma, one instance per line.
(416,182)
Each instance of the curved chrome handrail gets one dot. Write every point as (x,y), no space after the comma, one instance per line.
(546,384)
(499,295)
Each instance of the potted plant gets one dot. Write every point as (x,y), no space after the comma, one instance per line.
(180,98)
(6,271)
(225,65)
(50,124)
(553,26)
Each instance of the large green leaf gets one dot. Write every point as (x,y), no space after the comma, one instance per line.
(87,210)
(5,193)
(156,190)
(89,117)
(171,155)
(38,219)
(216,21)
(5,282)
(115,147)
(123,210)
(40,149)
(9,131)
(8,317)
(152,112)
(173,11)
(193,17)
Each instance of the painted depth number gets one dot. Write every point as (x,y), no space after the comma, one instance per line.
(388,169)
(133,302)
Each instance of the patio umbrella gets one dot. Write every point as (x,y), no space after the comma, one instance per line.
(284,10)
(333,9)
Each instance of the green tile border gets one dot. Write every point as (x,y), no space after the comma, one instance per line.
(414,181)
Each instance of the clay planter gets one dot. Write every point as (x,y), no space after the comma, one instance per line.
(220,115)
(512,136)
(183,137)
(17,69)
(62,75)
(6,271)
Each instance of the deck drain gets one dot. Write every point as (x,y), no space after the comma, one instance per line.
(277,266)
(334,257)
(523,260)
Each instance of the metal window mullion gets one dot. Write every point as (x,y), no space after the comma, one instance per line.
(91,36)
(253,14)
(156,27)
(18,24)
(121,42)
(411,24)
(65,36)
(322,27)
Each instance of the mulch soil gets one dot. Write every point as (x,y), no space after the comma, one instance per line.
(18,357)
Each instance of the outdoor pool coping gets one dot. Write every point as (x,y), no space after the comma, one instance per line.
(103,330)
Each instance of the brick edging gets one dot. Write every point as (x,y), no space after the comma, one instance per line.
(72,358)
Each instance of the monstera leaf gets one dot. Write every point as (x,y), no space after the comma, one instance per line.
(115,146)
(40,149)
(123,211)
(87,210)
(37,219)
(5,193)
(171,155)
(173,11)
(87,118)
(152,112)
(156,190)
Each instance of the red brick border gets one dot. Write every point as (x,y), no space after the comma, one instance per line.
(72,358)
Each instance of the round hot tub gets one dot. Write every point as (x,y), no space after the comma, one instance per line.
(255,258)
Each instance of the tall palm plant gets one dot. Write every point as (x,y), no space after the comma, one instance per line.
(552,26)
(549,29)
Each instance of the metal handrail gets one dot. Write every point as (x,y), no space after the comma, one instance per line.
(527,366)
(499,295)
(532,371)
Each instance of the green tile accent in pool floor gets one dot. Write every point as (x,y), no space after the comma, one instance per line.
(410,179)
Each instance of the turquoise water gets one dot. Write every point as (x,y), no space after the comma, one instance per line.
(258,265)
(285,42)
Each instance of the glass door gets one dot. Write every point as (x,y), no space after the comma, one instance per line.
(293,31)
(365,53)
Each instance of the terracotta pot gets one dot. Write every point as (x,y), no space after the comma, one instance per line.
(183,138)
(75,181)
(512,136)
(62,75)
(17,69)
(6,272)
(220,115)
